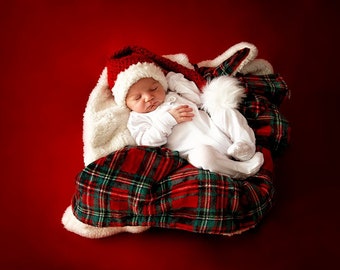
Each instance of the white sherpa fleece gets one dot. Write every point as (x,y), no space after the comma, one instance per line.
(258,67)
(104,125)
(74,225)
(181,59)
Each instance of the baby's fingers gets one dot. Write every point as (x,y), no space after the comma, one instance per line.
(185,116)
(184,108)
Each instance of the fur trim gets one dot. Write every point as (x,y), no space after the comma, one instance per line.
(72,224)
(181,59)
(258,67)
(228,53)
(222,93)
(133,74)
(239,231)
(104,124)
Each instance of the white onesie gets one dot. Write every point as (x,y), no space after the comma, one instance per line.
(207,142)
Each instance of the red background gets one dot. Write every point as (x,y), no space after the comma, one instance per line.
(52,53)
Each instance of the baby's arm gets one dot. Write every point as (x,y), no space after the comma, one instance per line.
(151,132)
(155,132)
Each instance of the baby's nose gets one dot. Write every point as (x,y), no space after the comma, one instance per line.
(148,98)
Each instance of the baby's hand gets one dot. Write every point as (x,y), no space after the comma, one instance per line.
(182,113)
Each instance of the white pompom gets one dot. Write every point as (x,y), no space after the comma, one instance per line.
(222,93)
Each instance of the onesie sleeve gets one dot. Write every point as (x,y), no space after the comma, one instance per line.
(151,131)
(182,86)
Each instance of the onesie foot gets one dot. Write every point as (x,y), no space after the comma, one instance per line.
(250,167)
(241,151)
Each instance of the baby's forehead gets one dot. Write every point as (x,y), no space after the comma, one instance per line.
(142,84)
(146,80)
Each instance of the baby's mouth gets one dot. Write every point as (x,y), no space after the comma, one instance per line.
(153,106)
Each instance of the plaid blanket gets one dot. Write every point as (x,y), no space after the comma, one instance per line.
(146,186)
(261,108)
(155,187)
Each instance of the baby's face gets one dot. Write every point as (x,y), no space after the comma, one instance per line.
(145,95)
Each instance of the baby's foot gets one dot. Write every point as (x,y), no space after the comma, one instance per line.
(241,151)
(249,167)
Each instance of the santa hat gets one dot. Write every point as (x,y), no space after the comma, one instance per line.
(132,63)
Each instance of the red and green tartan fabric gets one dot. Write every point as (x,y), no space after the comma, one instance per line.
(226,68)
(153,186)
(264,95)
(145,186)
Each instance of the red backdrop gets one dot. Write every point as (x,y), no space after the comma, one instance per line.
(52,53)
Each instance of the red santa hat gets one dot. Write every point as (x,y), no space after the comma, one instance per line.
(132,63)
